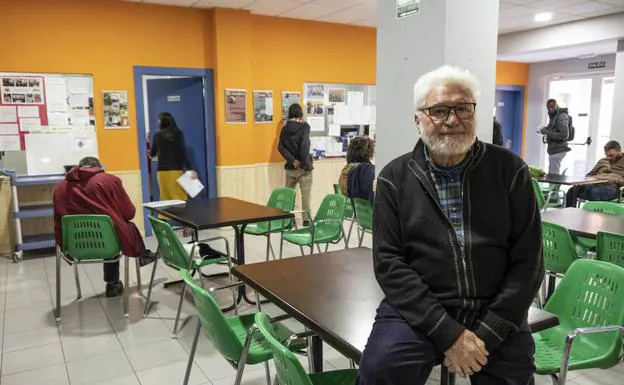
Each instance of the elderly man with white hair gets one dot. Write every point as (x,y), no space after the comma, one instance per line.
(456,248)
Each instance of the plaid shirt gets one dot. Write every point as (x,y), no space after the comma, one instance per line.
(448,184)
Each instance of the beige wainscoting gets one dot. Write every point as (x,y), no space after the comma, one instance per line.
(132,183)
(254,183)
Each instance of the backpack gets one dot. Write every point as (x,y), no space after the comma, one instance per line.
(570,125)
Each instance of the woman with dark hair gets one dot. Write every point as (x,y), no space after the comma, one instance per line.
(294,145)
(356,178)
(169,146)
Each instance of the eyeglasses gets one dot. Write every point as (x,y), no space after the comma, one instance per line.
(461,110)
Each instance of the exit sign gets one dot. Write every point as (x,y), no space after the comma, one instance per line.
(596,64)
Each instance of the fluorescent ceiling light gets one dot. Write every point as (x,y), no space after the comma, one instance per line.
(543,16)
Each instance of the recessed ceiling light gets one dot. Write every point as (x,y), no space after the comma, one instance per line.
(543,16)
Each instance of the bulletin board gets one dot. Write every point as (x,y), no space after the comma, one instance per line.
(50,108)
(327,106)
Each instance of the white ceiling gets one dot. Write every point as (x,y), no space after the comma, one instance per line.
(515,15)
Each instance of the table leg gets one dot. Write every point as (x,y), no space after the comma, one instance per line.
(316,346)
(550,288)
(239,236)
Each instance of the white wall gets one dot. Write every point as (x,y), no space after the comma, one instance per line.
(539,75)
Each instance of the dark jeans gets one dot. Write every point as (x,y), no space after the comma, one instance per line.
(591,193)
(111,272)
(397,354)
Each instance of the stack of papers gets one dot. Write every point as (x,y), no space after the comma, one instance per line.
(190,185)
(160,204)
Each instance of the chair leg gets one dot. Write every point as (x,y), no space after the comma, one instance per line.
(127,279)
(138,275)
(281,244)
(350,229)
(243,358)
(77,281)
(189,365)
(361,240)
(267,372)
(318,247)
(272,251)
(58,285)
(554,379)
(177,319)
(149,290)
(268,246)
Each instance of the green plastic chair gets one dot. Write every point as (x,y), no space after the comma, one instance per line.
(610,248)
(89,239)
(608,208)
(559,253)
(235,337)
(541,202)
(289,369)
(283,199)
(363,216)
(178,257)
(588,303)
(349,210)
(325,228)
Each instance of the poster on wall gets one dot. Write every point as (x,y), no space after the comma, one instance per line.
(115,109)
(21,90)
(337,95)
(263,106)
(235,105)
(315,108)
(288,98)
(314,92)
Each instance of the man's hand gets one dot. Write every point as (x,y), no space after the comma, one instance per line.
(544,131)
(467,355)
(193,174)
(297,164)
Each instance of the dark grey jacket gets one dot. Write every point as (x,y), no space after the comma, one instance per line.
(439,287)
(557,132)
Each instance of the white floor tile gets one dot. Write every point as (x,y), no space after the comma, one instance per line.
(127,379)
(85,328)
(100,368)
(33,358)
(51,375)
(147,332)
(80,348)
(30,339)
(158,354)
(171,374)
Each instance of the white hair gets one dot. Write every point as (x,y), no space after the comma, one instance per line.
(443,76)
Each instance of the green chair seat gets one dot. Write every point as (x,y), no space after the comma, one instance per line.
(336,377)
(589,296)
(323,233)
(609,208)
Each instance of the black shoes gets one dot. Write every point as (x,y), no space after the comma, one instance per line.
(114,289)
(147,258)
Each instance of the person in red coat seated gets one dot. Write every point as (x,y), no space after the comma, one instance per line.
(87,189)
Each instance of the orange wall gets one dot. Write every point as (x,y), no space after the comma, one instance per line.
(515,74)
(106,39)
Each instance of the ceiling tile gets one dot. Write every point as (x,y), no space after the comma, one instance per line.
(178,3)
(349,15)
(516,12)
(619,3)
(310,11)
(555,5)
(271,7)
(587,7)
(343,3)
(370,22)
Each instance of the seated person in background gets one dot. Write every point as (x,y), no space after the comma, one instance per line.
(611,168)
(356,178)
(87,189)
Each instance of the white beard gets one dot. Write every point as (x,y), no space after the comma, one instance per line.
(443,145)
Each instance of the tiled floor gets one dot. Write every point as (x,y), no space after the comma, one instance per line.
(95,344)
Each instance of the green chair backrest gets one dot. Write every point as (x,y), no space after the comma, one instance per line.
(284,199)
(363,213)
(169,245)
(349,207)
(559,251)
(538,194)
(609,208)
(213,321)
(332,207)
(89,237)
(289,369)
(610,248)
(590,294)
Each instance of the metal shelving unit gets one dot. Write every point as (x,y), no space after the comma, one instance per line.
(23,210)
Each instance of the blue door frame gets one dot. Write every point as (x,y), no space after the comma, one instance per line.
(519,113)
(209,119)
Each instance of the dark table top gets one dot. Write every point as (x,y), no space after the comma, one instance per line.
(570,179)
(584,223)
(220,212)
(334,294)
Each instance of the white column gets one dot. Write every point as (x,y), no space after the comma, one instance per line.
(617,117)
(454,32)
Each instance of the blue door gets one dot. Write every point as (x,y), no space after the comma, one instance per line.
(509,112)
(184,99)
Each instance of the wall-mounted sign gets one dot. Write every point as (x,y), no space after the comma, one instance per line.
(405,8)
(596,64)
(173,98)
